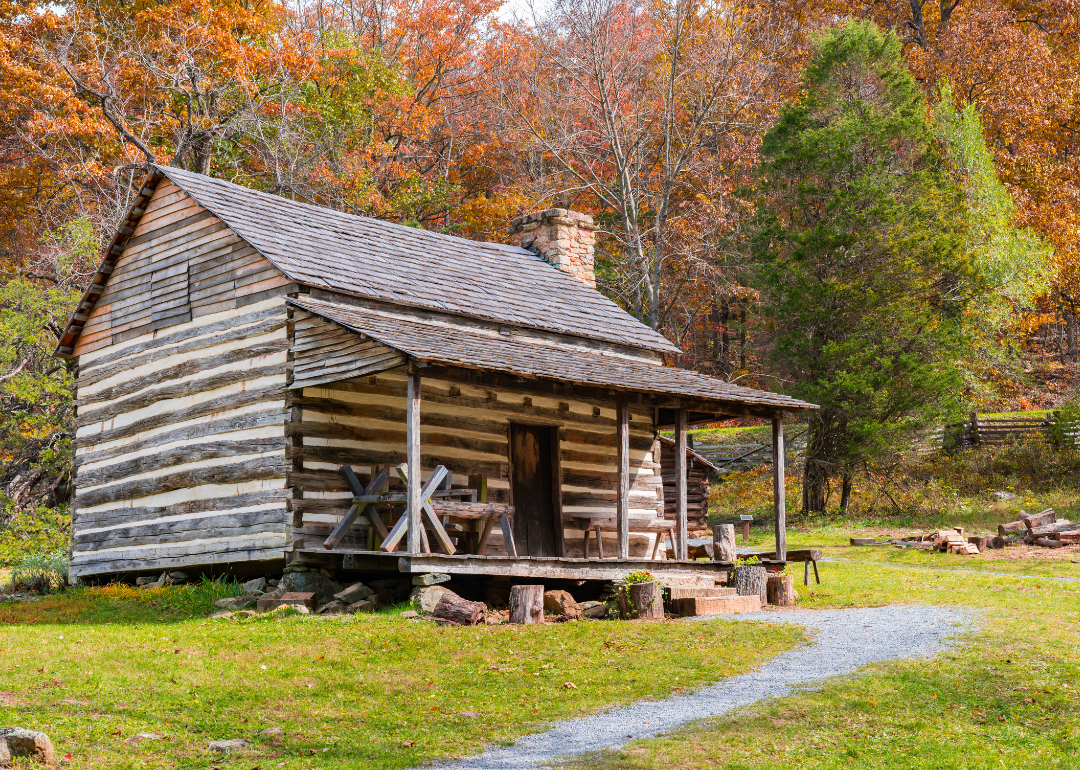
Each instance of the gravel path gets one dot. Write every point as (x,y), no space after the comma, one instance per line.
(845,641)
(950,569)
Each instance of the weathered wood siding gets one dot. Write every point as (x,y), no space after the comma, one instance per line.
(362,422)
(180,451)
(324,352)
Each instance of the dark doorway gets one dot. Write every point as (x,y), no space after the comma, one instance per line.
(531,490)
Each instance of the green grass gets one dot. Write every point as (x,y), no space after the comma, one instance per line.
(95,667)
(1008,695)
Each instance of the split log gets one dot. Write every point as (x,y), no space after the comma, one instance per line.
(781,590)
(1041,519)
(982,543)
(724,543)
(460,611)
(527,604)
(750,581)
(642,601)
(1052,529)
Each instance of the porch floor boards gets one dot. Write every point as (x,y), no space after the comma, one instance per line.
(550,567)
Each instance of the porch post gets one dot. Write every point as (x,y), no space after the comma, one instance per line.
(778,486)
(412,457)
(681,548)
(622,510)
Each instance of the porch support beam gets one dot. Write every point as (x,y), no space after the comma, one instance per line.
(622,510)
(778,486)
(412,459)
(681,546)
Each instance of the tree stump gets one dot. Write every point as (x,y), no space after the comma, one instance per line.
(527,604)
(642,601)
(461,611)
(781,590)
(724,543)
(750,581)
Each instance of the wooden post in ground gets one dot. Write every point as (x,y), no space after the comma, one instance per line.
(622,509)
(412,459)
(527,604)
(680,486)
(778,486)
(724,543)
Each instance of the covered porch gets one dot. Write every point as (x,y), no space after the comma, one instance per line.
(428,506)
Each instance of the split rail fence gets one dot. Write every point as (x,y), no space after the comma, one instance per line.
(999,431)
(732,458)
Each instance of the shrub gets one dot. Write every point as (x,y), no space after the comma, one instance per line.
(32,531)
(40,573)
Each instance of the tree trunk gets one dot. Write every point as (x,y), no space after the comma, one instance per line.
(845,494)
(781,590)
(815,486)
(527,604)
(460,611)
(1070,334)
(724,543)
(642,601)
(750,581)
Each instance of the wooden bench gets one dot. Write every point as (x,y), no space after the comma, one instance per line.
(806,556)
(657,526)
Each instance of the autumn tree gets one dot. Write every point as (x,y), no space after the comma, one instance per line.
(862,265)
(1018,63)
(635,112)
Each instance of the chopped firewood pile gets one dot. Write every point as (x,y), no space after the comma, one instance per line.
(953,540)
(1042,529)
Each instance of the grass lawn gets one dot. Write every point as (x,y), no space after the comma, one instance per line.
(1007,697)
(96,667)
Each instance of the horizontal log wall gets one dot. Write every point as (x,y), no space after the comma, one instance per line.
(361,422)
(181,457)
(697,488)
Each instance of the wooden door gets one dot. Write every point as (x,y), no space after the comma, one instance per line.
(531,490)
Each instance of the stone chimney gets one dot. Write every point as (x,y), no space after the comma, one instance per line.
(562,238)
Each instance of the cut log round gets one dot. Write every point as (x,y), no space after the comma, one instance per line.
(997,542)
(527,604)
(1012,526)
(781,590)
(724,543)
(461,611)
(643,601)
(1047,542)
(750,581)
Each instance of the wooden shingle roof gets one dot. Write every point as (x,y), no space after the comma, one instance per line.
(474,348)
(408,266)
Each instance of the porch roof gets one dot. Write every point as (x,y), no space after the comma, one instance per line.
(476,348)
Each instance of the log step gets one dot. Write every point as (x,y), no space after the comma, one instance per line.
(691,592)
(720,605)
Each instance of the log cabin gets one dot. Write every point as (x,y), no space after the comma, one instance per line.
(261,382)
